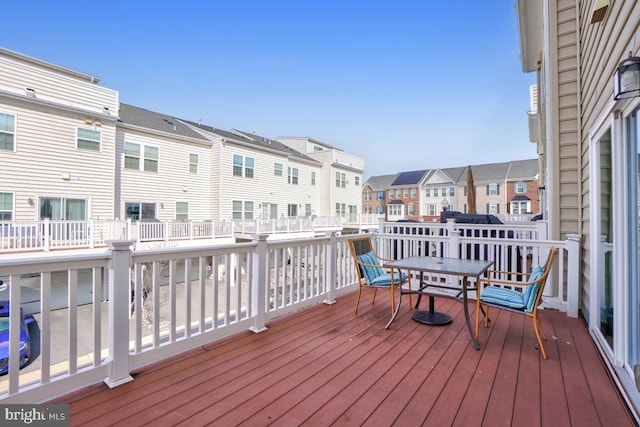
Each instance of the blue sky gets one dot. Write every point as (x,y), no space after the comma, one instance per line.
(404,84)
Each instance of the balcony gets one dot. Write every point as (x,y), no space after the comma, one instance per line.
(266,329)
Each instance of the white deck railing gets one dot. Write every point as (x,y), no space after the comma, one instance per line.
(147,305)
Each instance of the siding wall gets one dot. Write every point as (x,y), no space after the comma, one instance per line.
(167,185)
(46,138)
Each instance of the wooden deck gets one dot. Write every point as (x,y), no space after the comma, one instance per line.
(328,366)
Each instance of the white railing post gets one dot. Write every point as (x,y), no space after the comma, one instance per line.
(331,263)
(573,282)
(259,283)
(92,243)
(119,299)
(46,230)
(452,240)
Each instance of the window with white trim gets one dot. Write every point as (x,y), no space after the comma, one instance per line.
(395,210)
(519,187)
(520,207)
(367,196)
(133,159)
(182,211)
(7,132)
(341,209)
(241,163)
(88,139)
(313,178)
(241,209)
(292,175)
(411,209)
(405,193)
(427,192)
(193,163)
(493,189)
(435,192)
(452,191)
(237,165)
(356,180)
(6,206)
(413,193)
(493,208)
(139,210)
(341,180)
(292,210)
(277,169)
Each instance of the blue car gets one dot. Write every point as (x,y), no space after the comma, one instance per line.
(25,339)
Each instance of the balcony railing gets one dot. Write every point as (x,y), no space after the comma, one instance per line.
(123,309)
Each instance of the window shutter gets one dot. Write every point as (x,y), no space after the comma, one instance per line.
(487,208)
(498,188)
(498,209)
(487,190)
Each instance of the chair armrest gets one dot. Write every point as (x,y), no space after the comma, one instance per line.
(506,282)
(506,272)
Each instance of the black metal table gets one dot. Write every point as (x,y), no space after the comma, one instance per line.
(464,268)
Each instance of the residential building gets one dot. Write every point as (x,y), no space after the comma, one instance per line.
(57,142)
(341,175)
(585,125)
(374,194)
(508,188)
(404,196)
(163,168)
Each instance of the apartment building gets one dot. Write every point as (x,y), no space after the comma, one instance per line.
(374,194)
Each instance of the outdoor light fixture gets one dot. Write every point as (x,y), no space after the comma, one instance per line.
(626,80)
(445,203)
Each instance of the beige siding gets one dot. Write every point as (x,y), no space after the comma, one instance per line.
(172,182)
(45,148)
(49,86)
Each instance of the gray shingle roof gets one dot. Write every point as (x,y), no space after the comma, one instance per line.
(137,116)
(523,169)
(380,182)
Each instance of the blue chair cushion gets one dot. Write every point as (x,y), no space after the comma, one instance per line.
(385,279)
(370,272)
(505,297)
(531,293)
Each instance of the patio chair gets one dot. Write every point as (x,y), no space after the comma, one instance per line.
(370,272)
(522,297)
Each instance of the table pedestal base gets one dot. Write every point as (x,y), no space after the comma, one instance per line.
(434,318)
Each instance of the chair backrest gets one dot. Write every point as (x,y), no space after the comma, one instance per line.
(361,249)
(535,292)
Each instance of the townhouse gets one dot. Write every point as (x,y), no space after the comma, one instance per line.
(584,122)
(71,151)
(508,188)
(374,192)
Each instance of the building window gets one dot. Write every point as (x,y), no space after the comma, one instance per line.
(398,194)
(391,194)
(366,196)
(241,209)
(413,193)
(88,139)
(292,176)
(313,178)
(193,163)
(307,210)
(132,157)
(182,211)
(493,189)
(395,210)
(411,209)
(380,210)
(356,180)
(519,208)
(452,191)
(292,210)
(277,169)
(6,206)
(405,193)
(341,180)
(444,191)
(237,165)
(248,167)
(493,208)
(151,158)
(140,211)
(435,192)
(380,195)
(427,192)
(432,209)
(341,209)
(317,148)
(520,187)
(7,131)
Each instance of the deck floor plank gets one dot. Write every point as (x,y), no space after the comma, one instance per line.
(328,366)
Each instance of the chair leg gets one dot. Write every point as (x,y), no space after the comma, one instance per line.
(486,317)
(477,317)
(373,298)
(358,297)
(537,328)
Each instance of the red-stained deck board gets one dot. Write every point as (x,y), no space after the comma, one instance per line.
(326,365)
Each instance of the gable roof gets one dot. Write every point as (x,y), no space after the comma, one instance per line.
(380,182)
(409,178)
(523,169)
(140,117)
